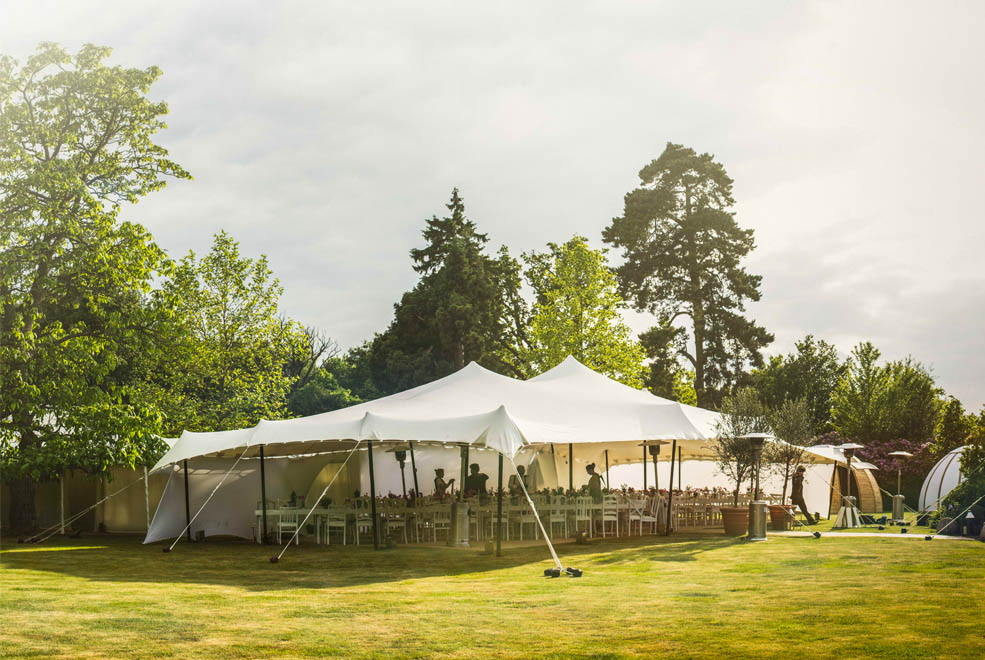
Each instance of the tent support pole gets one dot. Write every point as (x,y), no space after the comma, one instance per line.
(413,469)
(264,537)
(499,511)
(670,491)
(680,466)
(372,498)
(831,489)
(644,466)
(188,506)
(607,485)
(571,467)
(465,468)
(147,497)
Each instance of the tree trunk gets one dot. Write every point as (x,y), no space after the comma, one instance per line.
(23,516)
(786,478)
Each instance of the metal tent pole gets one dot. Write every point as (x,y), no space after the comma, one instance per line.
(670,491)
(571,468)
(465,462)
(831,490)
(413,469)
(372,498)
(499,511)
(263,497)
(607,484)
(680,466)
(644,466)
(188,507)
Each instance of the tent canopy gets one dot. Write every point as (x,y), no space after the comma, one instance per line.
(569,404)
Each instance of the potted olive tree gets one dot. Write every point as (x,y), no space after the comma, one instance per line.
(741,415)
(791,424)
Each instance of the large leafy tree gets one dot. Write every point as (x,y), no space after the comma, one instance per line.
(76,142)
(683,250)
(235,359)
(458,312)
(576,312)
(810,372)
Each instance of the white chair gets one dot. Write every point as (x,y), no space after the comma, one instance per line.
(583,513)
(610,513)
(636,513)
(491,519)
(288,522)
(396,521)
(526,516)
(558,514)
(334,520)
(441,522)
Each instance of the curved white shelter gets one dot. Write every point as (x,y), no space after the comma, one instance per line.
(941,480)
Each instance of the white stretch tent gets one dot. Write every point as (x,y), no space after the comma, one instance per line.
(567,406)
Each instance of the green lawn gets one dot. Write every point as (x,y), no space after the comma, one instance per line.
(683,597)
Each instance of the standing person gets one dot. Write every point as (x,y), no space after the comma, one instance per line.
(475,483)
(797,494)
(594,483)
(440,485)
(515,481)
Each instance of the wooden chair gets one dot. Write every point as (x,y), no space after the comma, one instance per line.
(288,522)
(558,514)
(610,513)
(583,514)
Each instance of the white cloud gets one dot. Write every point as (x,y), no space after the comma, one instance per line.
(322,134)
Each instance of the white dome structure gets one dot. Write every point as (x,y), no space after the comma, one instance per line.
(942,479)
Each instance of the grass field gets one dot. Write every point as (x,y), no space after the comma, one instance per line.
(683,597)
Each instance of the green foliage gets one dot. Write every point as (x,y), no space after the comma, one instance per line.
(576,312)
(460,310)
(75,143)
(954,428)
(226,368)
(874,403)
(811,372)
(321,394)
(682,249)
(664,375)
(742,413)
(973,472)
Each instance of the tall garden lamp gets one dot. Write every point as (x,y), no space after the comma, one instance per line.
(848,515)
(757,508)
(898,498)
(653,447)
(400,453)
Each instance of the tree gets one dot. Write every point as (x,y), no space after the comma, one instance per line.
(790,423)
(682,249)
(236,354)
(953,429)
(811,372)
(75,311)
(576,312)
(742,414)
(459,311)
(858,404)
(664,375)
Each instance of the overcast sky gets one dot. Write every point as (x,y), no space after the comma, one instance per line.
(323,134)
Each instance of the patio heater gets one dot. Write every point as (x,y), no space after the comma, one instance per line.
(757,508)
(898,499)
(401,455)
(848,514)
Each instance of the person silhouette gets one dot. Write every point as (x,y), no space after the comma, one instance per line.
(594,483)
(440,485)
(475,483)
(517,479)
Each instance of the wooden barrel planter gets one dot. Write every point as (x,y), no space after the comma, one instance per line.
(779,517)
(735,519)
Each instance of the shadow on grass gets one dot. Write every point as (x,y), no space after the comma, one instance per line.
(247,566)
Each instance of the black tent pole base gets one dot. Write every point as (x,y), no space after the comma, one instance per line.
(274,559)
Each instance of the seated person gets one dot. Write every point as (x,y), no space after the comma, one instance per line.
(594,483)
(516,481)
(440,485)
(475,483)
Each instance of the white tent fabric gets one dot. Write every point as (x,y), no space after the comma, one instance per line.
(941,480)
(568,404)
(834,454)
